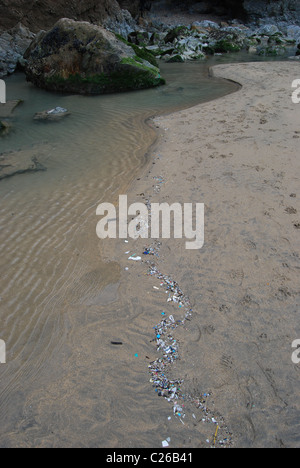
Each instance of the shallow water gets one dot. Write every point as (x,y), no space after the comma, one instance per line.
(56,292)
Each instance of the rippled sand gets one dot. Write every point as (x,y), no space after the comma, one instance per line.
(64,384)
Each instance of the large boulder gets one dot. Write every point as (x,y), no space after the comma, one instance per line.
(78,57)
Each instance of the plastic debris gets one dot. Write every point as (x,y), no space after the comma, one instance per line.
(57,110)
(135,259)
(167,347)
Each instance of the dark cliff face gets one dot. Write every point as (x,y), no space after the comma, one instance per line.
(253,10)
(133,6)
(248,10)
(43,14)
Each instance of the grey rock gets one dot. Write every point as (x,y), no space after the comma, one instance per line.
(52,115)
(20,162)
(5,128)
(293,32)
(6,110)
(206,24)
(124,25)
(268,30)
(13,44)
(280,10)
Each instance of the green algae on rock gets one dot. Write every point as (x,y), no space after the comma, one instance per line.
(78,57)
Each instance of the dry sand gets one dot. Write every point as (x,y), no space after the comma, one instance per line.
(238,155)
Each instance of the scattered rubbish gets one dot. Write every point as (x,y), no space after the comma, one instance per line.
(154,250)
(216,434)
(135,259)
(168,348)
(116,343)
(165,443)
(57,110)
(160,180)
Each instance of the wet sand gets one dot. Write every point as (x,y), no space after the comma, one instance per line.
(239,155)
(64,383)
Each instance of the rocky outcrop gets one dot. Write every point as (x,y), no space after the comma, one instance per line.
(5,128)
(52,115)
(13,45)
(78,57)
(7,109)
(280,10)
(21,162)
(205,38)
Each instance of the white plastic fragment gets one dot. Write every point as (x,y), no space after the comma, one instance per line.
(57,110)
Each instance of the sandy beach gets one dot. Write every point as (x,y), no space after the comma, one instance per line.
(239,155)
